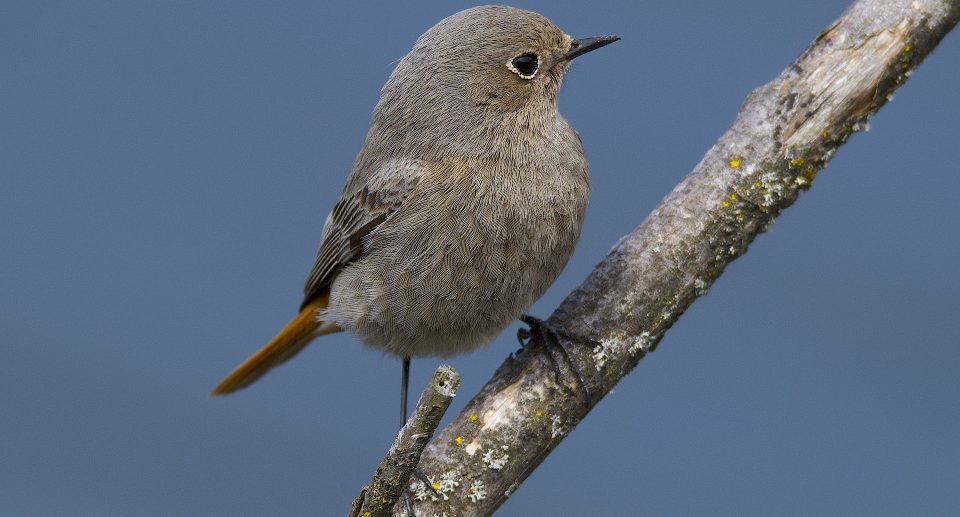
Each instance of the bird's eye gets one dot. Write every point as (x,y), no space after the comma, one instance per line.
(525,65)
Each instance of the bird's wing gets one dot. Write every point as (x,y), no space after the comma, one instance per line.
(368,200)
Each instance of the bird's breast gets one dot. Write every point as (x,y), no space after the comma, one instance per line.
(458,262)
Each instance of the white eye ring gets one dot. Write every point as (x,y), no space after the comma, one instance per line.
(521,65)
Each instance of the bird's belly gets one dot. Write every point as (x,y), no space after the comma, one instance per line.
(451,284)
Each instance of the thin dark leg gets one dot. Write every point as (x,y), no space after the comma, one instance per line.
(404,383)
(403,390)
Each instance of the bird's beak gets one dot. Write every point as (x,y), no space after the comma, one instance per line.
(584,45)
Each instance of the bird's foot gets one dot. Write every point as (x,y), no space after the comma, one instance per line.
(553,338)
(408,496)
(417,473)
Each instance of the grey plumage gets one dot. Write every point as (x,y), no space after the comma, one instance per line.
(467,198)
(480,183)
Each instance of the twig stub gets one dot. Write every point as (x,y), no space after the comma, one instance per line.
(393,474)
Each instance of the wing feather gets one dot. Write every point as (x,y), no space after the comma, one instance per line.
(361,209)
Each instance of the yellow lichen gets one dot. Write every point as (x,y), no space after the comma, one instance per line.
(735,162)
(459,440)
(805,178)
(797,162)
(905,63)
(473,418)
(726,203)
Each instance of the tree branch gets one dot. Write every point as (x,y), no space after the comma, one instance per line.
(393,474)
(785,133)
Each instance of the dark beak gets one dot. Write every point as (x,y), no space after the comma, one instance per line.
(584,45)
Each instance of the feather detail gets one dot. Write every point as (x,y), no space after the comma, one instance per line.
(291,340)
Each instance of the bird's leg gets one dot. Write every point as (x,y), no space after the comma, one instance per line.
(552,339)
(404,383)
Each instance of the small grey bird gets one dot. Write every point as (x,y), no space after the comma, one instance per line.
(464,204)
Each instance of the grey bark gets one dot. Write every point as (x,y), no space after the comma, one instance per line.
(392,476)
(785,133)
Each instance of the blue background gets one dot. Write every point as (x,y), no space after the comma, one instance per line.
(166,169)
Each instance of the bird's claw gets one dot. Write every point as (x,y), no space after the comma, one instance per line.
(552,339)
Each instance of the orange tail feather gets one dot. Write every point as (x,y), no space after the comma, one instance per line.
(292,339)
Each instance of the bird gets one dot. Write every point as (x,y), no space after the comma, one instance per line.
(463,205)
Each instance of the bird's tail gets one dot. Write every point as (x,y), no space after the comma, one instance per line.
(292,339)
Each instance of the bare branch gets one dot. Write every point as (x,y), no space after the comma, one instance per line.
(393,474)
(785,133)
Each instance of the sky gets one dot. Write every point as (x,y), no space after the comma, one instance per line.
(165,171)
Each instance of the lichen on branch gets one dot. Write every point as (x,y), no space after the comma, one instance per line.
(785,133)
